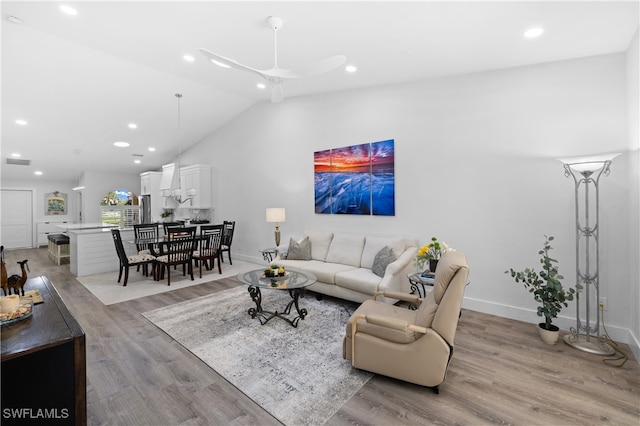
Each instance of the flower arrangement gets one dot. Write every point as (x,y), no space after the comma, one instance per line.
(274,271)
(166,213)
(432,251)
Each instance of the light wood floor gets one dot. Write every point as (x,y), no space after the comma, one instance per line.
(501,373)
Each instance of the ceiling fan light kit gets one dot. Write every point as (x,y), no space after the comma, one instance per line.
(276,75)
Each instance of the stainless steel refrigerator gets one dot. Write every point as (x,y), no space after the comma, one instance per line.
(145,208)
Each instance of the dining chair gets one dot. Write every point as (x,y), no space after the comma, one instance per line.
(167,225)
(177,250)
(146,234)
(127,261)
(227,239)
(210,241)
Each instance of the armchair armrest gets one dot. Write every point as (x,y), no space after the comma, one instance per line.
(382,321)
(405,297)
(395,323)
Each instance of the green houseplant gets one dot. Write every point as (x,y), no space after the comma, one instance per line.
(546,287)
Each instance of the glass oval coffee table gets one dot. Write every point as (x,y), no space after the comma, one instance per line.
(295,282)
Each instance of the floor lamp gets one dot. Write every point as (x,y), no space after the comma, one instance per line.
(586,173)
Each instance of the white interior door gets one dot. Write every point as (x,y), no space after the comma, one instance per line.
(16,222)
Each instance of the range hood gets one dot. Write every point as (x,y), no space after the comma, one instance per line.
(169,179)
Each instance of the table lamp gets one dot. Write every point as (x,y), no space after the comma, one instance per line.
(276,215)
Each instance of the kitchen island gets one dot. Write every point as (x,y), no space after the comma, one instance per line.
(92,249)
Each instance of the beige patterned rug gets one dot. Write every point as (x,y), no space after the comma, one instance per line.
(296,374)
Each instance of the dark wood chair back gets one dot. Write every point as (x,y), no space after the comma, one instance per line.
(117,241)
(227,238)
(167,225)
(210,242)
(145,234)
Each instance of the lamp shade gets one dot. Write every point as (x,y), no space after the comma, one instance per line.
(589,163)
(276,214)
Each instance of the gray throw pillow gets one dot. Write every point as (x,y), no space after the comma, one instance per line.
(299,250)
(384,257)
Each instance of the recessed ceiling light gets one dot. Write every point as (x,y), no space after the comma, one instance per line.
(68,10)
(137,161)
(37,173)
(261,86)
(121,144)
(21,122)
(351,68)
(16,155)
(188,58)
(132,125)
(151,149)
(533,32)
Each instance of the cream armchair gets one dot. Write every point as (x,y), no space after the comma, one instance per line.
(414,346)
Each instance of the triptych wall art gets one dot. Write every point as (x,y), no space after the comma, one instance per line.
(357,179)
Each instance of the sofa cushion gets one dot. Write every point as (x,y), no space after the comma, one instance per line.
(299,250)
(346,249)
(361,280)
(384,257)
(320,242)
(324,272)
(373,245)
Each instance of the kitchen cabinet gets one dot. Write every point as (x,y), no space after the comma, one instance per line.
(197,177)
(44,229)
(150,183)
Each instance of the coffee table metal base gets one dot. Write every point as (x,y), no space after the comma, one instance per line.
(266,316)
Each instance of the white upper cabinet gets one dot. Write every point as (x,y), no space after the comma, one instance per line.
(195,183)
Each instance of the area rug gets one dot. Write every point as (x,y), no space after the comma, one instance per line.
(296,374)
(106,288)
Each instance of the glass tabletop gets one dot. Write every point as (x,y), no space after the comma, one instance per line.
(291,280)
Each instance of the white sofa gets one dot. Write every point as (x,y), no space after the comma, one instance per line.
(343,264)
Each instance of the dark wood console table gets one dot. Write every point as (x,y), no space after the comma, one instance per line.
(44,364)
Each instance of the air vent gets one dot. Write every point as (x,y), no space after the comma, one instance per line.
(138,155)
(18,162)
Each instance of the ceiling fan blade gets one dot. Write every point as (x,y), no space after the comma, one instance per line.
(227,62)
(277,94)
(318,67)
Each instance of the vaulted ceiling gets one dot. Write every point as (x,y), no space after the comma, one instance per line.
(80,80)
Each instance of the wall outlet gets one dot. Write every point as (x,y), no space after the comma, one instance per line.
(603,302)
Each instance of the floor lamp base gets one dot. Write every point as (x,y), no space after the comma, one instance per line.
(592,345)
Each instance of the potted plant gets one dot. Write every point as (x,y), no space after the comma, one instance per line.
(547,289)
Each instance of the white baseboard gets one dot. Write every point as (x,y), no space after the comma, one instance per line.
(617,334)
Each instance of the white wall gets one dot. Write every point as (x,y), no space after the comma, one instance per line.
(633,75)
(98,184)
(475,166)
(40,189)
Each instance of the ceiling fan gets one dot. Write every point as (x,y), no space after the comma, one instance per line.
(276,75)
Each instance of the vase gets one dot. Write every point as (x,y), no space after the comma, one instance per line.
(550,337)
(433,264)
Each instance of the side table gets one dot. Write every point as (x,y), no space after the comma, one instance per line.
(269,254)
(420,285)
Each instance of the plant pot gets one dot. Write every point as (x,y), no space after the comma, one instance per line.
(433,264)
(550,337)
